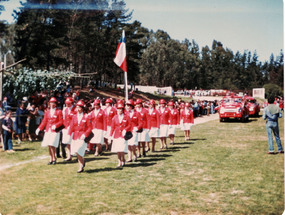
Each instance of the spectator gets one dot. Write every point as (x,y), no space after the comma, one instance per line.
(21,119)
(32,122)
(7,125)
(271,114)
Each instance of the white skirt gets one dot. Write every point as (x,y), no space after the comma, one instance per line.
(98,136)
(154,132)
(163,131)
(144,136)
(119,145)
(79,147)
(172,129)
(134,140)
(187,126)
(66,139)
(181,125)
(51,139)
(107,134)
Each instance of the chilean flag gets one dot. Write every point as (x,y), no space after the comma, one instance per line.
(121,54)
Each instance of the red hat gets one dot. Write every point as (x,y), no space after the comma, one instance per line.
(108,101)
(162,101)
(96,102)
(120,105)
(53,99)
(68,100)
(138,101)
(130,102)
(187,104)
(80,103)
(170,104)
(151,102)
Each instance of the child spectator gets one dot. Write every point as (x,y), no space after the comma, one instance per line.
(7,125)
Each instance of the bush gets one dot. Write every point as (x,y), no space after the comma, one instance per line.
(272,90)
(23,82)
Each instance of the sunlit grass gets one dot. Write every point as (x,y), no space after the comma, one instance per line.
(223,169)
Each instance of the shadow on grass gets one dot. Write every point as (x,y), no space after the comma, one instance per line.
(185,143)
(146,159)
(198,139)
(24,149)
(159,155)
(180,147)
(169,149)
(239,121)
(139,164)
(106,169)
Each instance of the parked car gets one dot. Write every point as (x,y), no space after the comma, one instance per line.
(233,107)
(253,105)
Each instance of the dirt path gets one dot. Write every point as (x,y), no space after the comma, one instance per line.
(198,120)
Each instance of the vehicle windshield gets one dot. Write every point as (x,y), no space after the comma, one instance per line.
(232,100)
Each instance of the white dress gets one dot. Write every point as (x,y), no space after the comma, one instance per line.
(120,144)
(144,135)
(98,133)
(79,147)
(51,138)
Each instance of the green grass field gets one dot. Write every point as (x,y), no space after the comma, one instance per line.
(223,169)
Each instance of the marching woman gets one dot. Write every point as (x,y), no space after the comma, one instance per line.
(120,125)
(187,117)
(110,112)
(99,126)
(143,137)
(181,109)
(164,122)
(173,121)
(154,123)
(137,124)
(80,128)
(51,121)
(68,112)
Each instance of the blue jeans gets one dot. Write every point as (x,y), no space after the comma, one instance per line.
(273,127)
(8,141)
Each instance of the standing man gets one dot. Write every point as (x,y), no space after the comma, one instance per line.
(271,114)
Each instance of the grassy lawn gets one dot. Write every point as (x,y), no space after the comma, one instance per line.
(223,169)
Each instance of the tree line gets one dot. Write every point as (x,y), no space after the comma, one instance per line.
(81,36)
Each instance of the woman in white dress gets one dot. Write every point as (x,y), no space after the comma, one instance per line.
(188,120)
(68,112)
(99,126)
(80,128)
(51,121)
(173,121)
(154,123)
(137,124)
(164,122)
(120,125)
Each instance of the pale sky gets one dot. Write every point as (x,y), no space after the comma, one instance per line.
(239,24)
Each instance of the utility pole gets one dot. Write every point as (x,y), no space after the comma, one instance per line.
(2,70)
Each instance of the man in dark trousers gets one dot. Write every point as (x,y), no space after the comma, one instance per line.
(271,114)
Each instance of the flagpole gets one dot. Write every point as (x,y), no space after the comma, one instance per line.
(126,86)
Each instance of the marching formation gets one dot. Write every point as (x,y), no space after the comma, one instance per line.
(125,127)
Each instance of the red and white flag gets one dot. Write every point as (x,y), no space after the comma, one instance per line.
(121,54)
